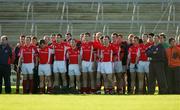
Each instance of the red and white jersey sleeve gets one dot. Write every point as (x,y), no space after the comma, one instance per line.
(178,45)
(150,44)
(45,55)
(59,51)
(73,55)
(107,53)
(27,53)
(97,50)
(142,52)
(133,53)
(86,51)
(116,51)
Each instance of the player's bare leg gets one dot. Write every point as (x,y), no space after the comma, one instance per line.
(56,80)
(110,83)
(105,83)
(64,80)
(84,88)
(123,83)
(71,83)
(25,83)
(42,84)
(141,82)
(119,83)
(78,82)
(98,82)
(56,84)
(92,81)
(49,84)
(31,83)
(133,81)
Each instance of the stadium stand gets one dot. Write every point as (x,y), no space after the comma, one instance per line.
(39,17)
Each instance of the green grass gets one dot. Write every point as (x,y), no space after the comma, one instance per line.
(89,102)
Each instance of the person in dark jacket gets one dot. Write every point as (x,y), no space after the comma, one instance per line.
(156,68)
(5,64)
(17,54)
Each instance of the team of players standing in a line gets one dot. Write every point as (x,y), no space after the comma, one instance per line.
(93,62)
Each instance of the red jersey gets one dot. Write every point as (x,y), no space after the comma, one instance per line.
(87,51)
(27,53)
(59,51)
(107,53)
(117,52)
(73,55)
(133,52)
(45,55)
(97,47)
(67,44)
(96,44)
(178,45)
(150,44)
(142,52)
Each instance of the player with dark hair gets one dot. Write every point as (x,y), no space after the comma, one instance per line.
(143,64)
(59,65)
(34,43)
(17,55)
(44,69)
(133,60)
(74,73)
(87,57)
(117,62)
(107,65)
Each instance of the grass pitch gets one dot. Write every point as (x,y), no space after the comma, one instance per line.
(89,102)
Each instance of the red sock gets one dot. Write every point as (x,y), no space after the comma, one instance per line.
(24,86)
(31,85)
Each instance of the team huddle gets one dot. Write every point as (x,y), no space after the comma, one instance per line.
(95,64)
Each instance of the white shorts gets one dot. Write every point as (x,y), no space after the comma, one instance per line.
(44,69)
(73,69)
(87,66)
(143,67)
(59,67)
(99,66)
(117,67)
(106,68)
(132,68)
(27,68)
